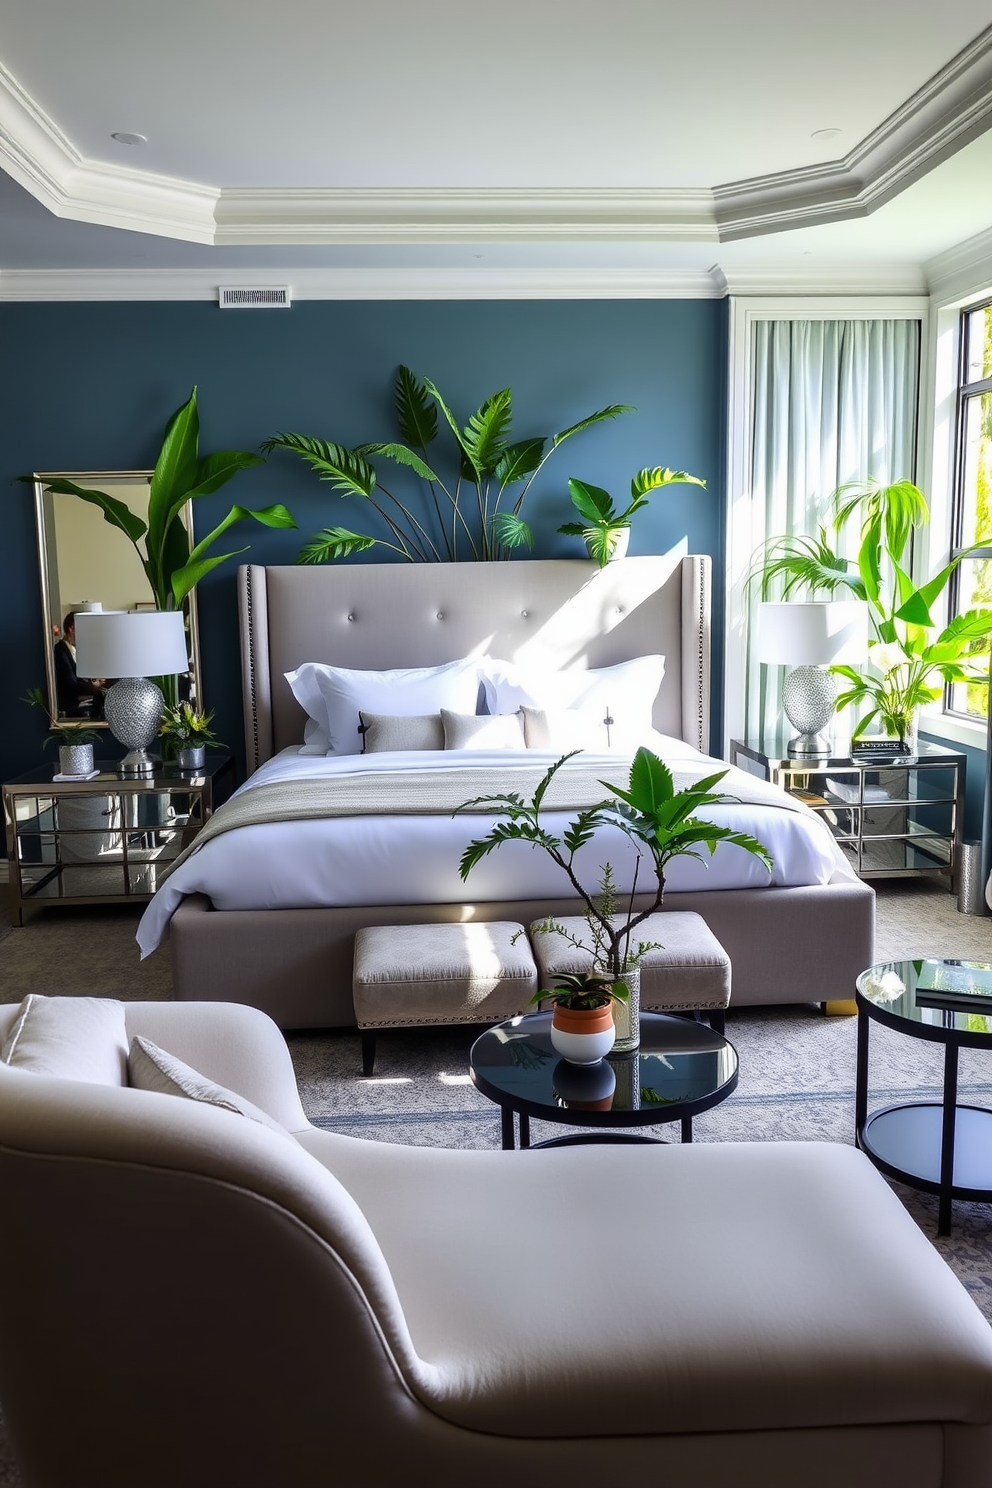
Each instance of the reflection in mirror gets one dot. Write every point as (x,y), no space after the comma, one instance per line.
(86,563)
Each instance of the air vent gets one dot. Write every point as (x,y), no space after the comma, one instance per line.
(246,297)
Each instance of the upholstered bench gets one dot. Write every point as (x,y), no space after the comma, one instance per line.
(689,972)
(406,976)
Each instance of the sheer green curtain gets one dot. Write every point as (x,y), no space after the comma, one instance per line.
(833,401)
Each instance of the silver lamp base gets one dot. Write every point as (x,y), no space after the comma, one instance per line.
(808,697)
(133,710)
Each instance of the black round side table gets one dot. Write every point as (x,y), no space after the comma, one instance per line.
(937,1146)
(681,1068)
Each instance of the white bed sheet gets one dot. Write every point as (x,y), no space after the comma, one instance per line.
(368,860)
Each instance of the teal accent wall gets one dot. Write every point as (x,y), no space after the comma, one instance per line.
(90,386)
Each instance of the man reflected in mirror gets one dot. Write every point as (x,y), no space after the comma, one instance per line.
(77,697)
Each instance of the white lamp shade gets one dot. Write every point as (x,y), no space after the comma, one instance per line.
(812,632)
(130,643)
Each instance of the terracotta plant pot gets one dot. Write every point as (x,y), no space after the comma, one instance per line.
(583,1036)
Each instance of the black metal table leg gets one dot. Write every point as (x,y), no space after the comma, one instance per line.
(861,1078)
(524,1130)
(947,1138)
(687,1128)
(506,1128)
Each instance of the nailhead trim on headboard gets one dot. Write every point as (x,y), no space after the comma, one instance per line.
(253,700)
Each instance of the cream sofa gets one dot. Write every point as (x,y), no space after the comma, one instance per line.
(192,1297)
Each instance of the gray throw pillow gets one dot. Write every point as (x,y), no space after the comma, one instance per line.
(152,1068)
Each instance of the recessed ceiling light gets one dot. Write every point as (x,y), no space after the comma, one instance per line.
(123,138)
(826,134)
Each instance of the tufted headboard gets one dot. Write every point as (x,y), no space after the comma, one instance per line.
(553,612)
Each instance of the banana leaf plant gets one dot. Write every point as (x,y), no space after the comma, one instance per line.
(475,515)
(912,657)
(601,523)
(662,822)
(181,474)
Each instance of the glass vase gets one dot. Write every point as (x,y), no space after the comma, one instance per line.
(627,1015)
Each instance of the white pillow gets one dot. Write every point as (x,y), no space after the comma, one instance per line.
(385,732)
(151,1068)
(333,697)
(625,693)
(563,729)
(75,1038)
(485,731)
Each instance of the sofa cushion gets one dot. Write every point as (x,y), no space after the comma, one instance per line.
(73,1038)
(152,1068)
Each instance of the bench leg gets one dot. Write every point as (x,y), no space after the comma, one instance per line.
(368,1051)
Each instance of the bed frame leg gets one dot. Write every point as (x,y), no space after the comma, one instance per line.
(368,1051)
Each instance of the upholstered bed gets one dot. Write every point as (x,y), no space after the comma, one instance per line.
(283,940)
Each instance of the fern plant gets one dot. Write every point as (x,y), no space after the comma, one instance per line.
(475,515)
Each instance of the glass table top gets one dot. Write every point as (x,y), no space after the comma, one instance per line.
(938,994)
(679,1063)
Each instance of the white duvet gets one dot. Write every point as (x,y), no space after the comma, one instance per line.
(368,860)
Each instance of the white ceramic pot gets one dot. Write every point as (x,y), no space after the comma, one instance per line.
(582,1037)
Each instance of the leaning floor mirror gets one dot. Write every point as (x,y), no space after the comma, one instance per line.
(87,563)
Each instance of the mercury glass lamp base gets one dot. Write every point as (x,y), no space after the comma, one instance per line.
(137,762)
(810,746)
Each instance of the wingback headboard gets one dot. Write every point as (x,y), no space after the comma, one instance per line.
(553,612)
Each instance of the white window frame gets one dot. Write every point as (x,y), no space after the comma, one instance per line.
(939,394)
(744,526)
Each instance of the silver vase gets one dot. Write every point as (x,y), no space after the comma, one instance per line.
(191,756)
(75,759)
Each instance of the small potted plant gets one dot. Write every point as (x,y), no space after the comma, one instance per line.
(187,729)
(607,531)
(75,740)
(582,1025)
(661,822)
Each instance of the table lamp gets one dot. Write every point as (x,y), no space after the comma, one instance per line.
(809,636)
(133,646)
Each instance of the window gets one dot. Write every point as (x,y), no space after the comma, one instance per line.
(972,507)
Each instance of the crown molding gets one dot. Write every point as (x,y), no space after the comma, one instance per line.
(303,217)
(872,279)
(948,112)
(360,284)
(962,271)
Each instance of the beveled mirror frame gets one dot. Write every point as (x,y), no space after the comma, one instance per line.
(57,600)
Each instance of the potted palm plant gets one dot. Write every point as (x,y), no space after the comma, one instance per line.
(187,728)
(911,655)
(607,531)
(663,824)
(475,515)
(75,741)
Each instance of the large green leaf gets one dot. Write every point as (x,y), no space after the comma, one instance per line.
(347,470)
(184,579)
(115,512)
(401,455)
(416,412)
(519,460)
(485,435)
(334,542)
(175,473)
(613,411)
(453,425)
(651,479)
(512,531)
(592,502)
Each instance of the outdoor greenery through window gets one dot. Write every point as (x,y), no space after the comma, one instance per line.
(973,489)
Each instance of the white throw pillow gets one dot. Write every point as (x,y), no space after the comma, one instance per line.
(385,732)
(563,729)
(75,1038)
(485,731)
(333,697)
(624,693)
(152,1068)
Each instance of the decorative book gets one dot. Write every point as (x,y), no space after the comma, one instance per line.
(964,986)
